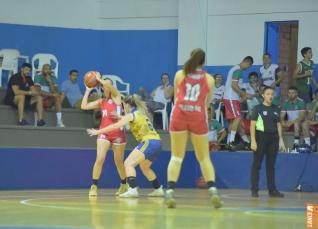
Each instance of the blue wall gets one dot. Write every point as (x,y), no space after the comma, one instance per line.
(62,168)
(139,57)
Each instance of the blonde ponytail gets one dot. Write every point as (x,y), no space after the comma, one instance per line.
(141,105)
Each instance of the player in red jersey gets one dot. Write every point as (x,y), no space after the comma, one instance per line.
(110,108)
(193,89)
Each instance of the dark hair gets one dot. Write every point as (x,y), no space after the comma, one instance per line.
(26,65)
(164,74)
(109,80)
(248,59)
(252,74)
(304,51)
(292,88)
(267,54)
(316,92)
(73,71)
(267,88)
(217,74)
(197,58)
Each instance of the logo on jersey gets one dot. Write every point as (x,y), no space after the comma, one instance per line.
(265,113)
(104,113)
(110,101)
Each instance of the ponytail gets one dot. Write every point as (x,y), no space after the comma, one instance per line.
(197,58)
(135,101)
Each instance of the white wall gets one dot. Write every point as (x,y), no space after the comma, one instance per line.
(92,14)
(236,28)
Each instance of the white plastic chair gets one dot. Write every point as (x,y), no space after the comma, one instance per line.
(219,115)
(164,115)
(117,80)
(10,61)
(44,58)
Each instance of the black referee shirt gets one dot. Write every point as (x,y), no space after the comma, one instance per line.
(266,118)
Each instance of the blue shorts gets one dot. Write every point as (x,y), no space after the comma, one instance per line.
(151,148)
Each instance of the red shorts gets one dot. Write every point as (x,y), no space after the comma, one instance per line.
(232,109)
(117,138)
(180,124)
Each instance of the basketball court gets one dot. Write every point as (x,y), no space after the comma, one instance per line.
(73,209)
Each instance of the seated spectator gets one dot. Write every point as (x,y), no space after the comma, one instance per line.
(252,89)
(218,92)
(217,132)
(74,95)
(22,94)
(47,86)
(294,108)
(312,119)
(160,96)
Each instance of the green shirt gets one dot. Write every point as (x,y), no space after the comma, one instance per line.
(237,74)
(293,109)
(214,128)
(303,83)
(41,81)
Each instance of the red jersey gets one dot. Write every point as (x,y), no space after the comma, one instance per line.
(108,108)
(189,112)
(192,95)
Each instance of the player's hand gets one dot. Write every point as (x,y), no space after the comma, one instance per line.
(308,73)
(98,77)
(88,89)
(253,146)
(282,146)
(92,132)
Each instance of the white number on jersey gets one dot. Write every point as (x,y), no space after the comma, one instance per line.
(192,92)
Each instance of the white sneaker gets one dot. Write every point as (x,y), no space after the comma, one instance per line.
(60,124)
(159,192)
(131,193)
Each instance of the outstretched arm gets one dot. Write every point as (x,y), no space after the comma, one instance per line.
(122,122)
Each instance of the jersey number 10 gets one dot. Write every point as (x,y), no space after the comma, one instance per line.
(192,92)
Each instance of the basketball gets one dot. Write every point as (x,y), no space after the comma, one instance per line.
(90,79)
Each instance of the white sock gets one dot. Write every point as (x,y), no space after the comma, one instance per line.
(59,116)
(232,136)
(228,138)
(245,138)
(307,141)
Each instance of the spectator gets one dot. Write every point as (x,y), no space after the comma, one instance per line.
(294,108)
(252,89)
(218,92)
(22,94)
(312,119)
(217,132)
(271,76)
(232,95)
(47,86)
(74,95)
(304,75)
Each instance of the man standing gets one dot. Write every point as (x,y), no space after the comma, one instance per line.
(304,75)
(272,76)
(48,88)
(22,94)
(232,96)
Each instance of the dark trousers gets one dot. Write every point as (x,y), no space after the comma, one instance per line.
(267,145)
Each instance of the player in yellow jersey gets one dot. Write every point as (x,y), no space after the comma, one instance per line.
(147,150)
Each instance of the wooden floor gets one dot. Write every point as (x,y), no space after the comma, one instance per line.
(73,209)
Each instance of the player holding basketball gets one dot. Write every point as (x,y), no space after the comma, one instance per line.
(193,88)
(146,151)
(109,107)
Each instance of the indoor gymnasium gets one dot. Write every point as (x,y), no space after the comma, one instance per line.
(158,114)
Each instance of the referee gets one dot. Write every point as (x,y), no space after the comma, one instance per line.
(266,140)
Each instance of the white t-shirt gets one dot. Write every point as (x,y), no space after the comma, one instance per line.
(217,93)
(159,95)
(268,75)
(235,73)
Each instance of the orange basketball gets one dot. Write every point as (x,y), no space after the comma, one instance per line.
(90,79)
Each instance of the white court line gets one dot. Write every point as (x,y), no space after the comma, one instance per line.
(243,197)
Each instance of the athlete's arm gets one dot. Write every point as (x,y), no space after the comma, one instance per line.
(235,86)
(92,105)
(297,74)
(122,122)
(210,80)
(280,77)
(280,134)
(177,80)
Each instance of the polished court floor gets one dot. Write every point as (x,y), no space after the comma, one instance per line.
(73,209)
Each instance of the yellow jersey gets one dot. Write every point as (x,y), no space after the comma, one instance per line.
(142,128)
